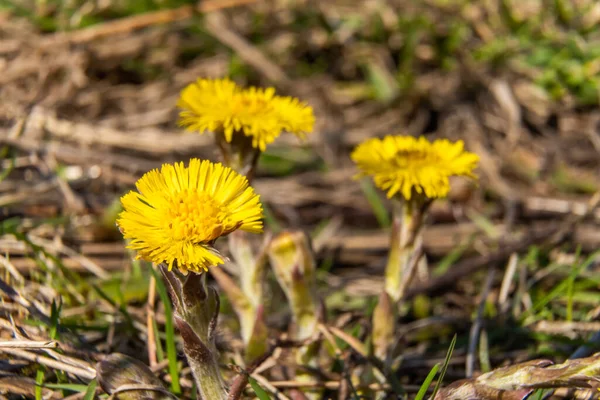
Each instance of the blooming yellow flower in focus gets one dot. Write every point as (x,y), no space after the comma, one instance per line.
(407,165)
(178,213)
(220,105)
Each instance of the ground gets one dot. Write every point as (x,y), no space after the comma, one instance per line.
(88,95)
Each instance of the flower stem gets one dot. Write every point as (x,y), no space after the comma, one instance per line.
(196,313)
(405,252)
(239,154)
(405,246)
(292,260)
(246,295)
(203,363)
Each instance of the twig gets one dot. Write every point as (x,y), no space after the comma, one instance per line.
(141,387)
(28,344)
(125,25)
(81,395)
(588,348)
(267,385)
(475,328)
(326,385)
(329,337)
(536,205)
(85,373)
(75,362)
(240,381)
(150,318)
(12,270)
(354,343)
(511,268)
(360,349)
(217,26)
(471,265)
(61,248)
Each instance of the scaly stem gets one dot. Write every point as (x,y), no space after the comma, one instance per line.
(405,245)
(203,363)
(196,313)
(404,255)
(249,302)
(247,298)
(294,266)
(239,154)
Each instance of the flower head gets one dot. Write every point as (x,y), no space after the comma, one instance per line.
(220,105)
(178,213)
(407,165)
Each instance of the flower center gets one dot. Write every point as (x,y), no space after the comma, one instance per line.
(250,105)
(195,217)
(414,159)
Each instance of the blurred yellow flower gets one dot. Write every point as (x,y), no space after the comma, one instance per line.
(407,165)
(178,213)
(220,105)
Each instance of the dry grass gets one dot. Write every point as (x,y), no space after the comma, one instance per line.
(84,111)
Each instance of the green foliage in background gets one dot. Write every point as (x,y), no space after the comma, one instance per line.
(554,44)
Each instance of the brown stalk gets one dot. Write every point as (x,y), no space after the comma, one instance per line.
(126,25)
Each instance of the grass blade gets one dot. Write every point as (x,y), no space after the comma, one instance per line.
(160,354)
(451,258)
(379,209)
(562,287)
(169,332)
(484,352)
(39,382)
(444,367)
(91,390)
(271,220)
(259,391)
(121,308)
(427,382)
(54,319)
(5,172)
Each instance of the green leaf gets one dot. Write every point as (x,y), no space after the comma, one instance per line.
(538,394)
(10,225)
(259,391)
(270,219)
(39,381)
(444,367)
(561,288)
(452,257)
(5,172)
(160,354)
(91,390)
(169,332)
(54,319)
(427,382)
(484,352)
(383,85)
(122,308)
(376,203)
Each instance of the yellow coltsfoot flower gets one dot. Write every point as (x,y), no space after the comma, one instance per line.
(413,172)
(407,165)
(178,213)
(219,105)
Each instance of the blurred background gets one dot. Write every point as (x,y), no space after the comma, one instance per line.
(87,105)
(88,92)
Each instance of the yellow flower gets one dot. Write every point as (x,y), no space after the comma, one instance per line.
(220,105)
(178,213)
(407,165)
